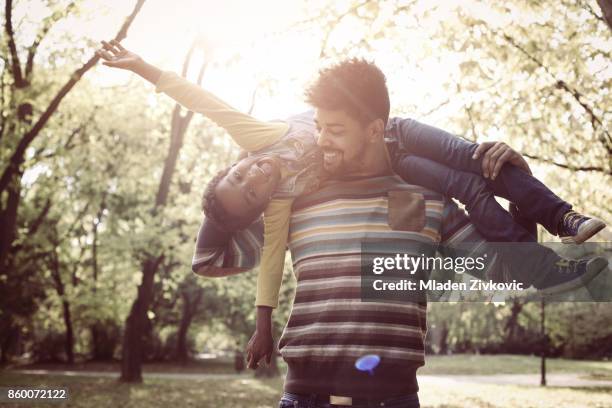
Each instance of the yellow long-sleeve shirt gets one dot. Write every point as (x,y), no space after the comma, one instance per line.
(252,135)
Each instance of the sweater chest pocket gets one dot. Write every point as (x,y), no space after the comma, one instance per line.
(406,210)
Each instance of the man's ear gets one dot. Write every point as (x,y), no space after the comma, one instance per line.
(376,130)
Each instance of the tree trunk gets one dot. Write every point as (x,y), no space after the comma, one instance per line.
(512,323)
(135,324)
(95,353)
(444,338)
(69,343)
(95,333)
(61,291)
(182,354)
(10,333)
(8,220)
(190,308)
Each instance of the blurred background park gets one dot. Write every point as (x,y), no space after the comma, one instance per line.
(101,179)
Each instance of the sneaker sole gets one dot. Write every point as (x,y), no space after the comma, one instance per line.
(594,267)
(592,227)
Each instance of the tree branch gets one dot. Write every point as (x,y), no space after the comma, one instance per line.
(335,22)
(567,166)
(47,24)
(17,158)
(10,35)
(35,225)
(596,122)
(67,145)
(94,244)
(75,265)
(586,6)
(39,220)
(77,219)
(436,108)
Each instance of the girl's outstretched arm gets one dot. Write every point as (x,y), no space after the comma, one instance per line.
(248,132)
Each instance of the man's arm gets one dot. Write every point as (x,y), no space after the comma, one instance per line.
(248,132)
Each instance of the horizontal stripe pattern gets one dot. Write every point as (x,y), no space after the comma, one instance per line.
(329,323)
(242,251)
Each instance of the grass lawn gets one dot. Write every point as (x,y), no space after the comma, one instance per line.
(512,364)
(90,393)
(248,392)
(242,393)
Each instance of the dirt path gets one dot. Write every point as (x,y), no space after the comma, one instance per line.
(553,380)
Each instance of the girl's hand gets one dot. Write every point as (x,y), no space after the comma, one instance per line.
(114,55)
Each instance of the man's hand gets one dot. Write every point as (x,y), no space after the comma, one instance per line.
(114,55)
(496,154)
(259,346)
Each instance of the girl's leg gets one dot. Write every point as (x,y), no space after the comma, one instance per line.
(536,201)
(529,263)
(487,215)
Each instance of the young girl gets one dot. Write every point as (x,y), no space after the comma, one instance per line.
(284,162)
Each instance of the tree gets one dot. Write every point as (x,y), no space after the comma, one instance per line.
(26,109)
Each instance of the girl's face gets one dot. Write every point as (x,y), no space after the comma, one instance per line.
(248,187)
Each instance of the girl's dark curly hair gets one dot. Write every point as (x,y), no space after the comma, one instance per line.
(213,210)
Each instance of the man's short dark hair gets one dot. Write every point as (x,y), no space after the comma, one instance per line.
(214,211)
(356,86)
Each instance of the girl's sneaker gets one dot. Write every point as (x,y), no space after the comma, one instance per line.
(576,228)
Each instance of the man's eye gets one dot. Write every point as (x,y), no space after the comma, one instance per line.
(237,175)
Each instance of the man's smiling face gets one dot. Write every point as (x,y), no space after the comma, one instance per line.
(343,140)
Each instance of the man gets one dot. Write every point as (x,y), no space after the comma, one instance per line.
(365,203)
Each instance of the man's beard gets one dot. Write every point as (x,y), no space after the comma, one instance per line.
(351,166)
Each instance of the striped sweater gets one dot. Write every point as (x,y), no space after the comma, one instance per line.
(330,326)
